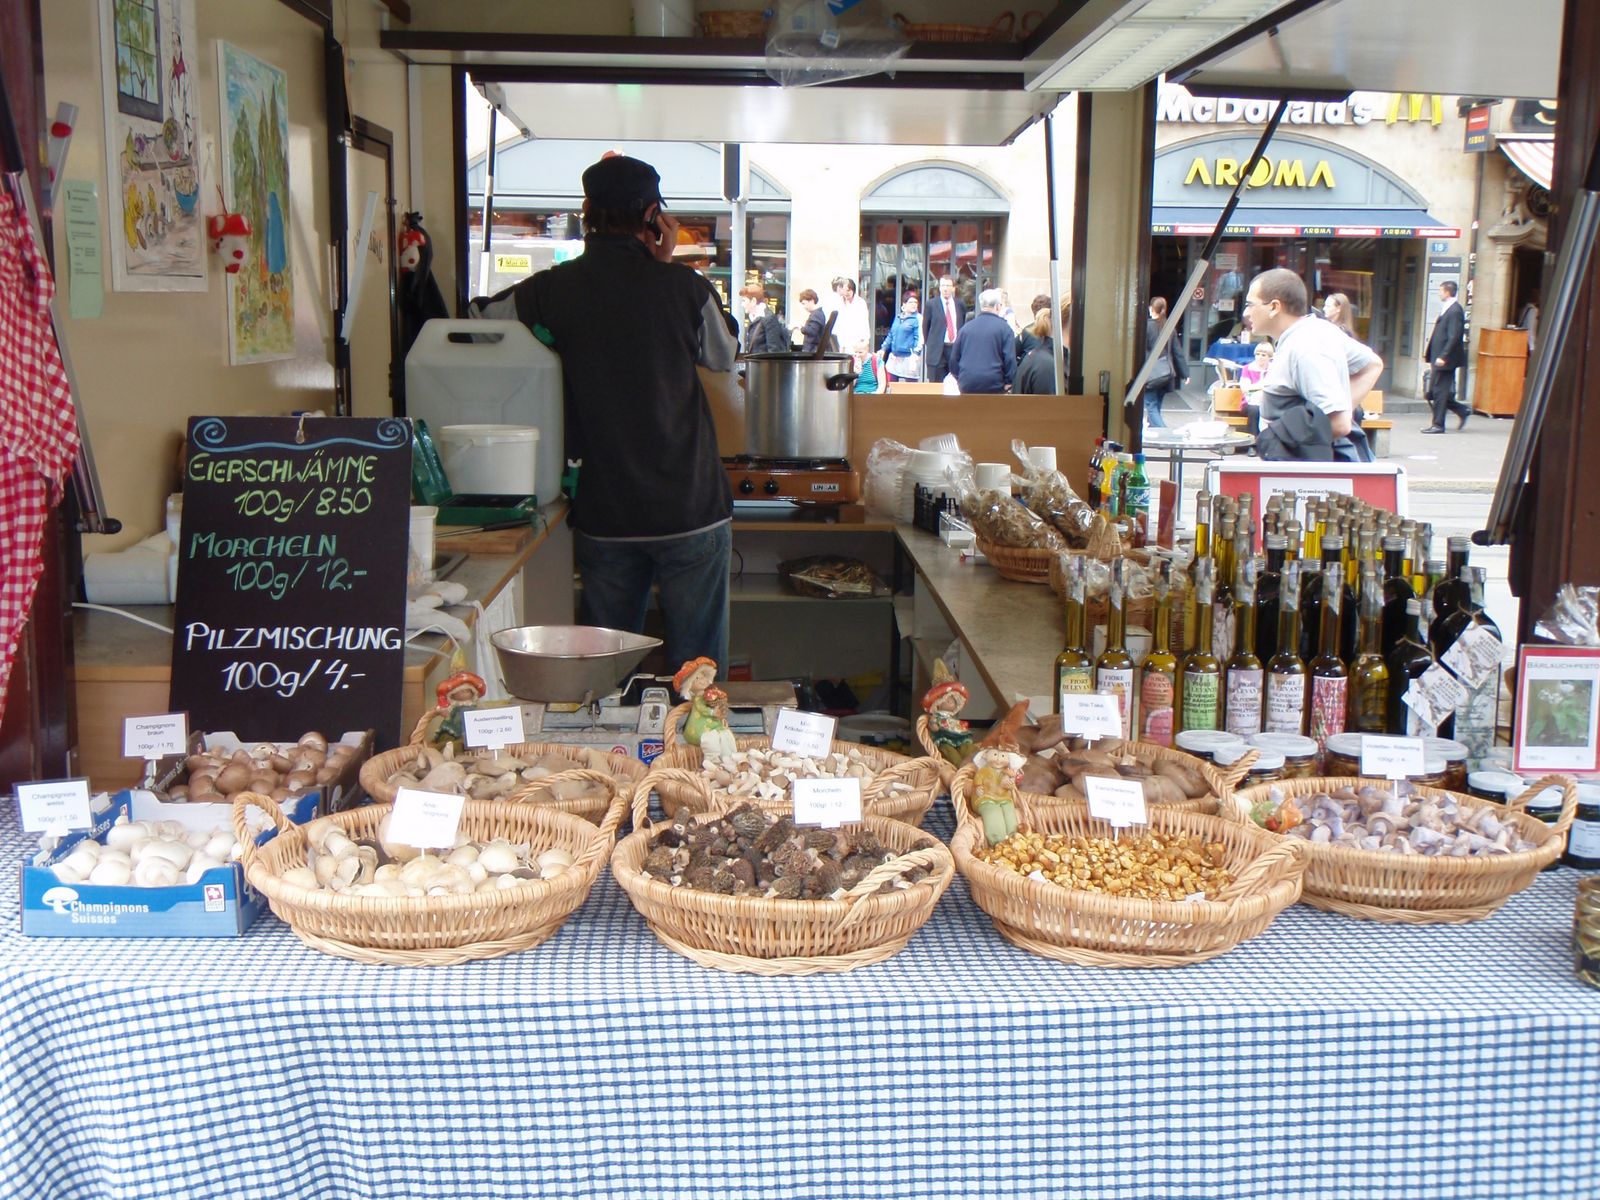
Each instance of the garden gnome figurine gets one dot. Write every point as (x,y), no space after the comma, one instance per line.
(707,723)
(460,692)
(943,704)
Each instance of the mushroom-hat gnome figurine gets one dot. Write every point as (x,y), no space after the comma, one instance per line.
(230,239)
(943,704)
(707,723)
(460,692)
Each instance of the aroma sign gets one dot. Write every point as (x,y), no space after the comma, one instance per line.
(1286,172)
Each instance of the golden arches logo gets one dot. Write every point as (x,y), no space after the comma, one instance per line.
(1409,106)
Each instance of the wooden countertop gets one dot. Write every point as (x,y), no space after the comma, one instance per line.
(1014,630)
(111,648)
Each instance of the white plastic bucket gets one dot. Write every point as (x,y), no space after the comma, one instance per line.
(423,517)
(499,460)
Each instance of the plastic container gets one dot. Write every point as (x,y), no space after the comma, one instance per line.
(422,518)
(1043,458)
(993,476)
(500,460)
(489,373)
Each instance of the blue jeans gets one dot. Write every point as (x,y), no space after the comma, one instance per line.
(691,574)
(1154,394)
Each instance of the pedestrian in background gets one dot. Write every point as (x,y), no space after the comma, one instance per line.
(940,326)
(984,358)
(1337,308)
(854,326)
(1169,374)
(902,345)
(1447,353)
(764,332)
(1036,376)
(1029,340)
(816,322)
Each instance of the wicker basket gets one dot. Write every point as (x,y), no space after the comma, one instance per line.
(1002,29)
(755,935)
(1096,930)
(734,23)
(622,773)
(922,777)
(436,930)
(1021,564)
(1412,889)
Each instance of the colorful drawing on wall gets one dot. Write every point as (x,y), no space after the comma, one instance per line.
(255,173)
(152,136)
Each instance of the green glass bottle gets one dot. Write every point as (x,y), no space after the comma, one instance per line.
(1330,678)
(1286,672)
(1369,674)
(1242,706)
(1114,669)
(1409,659)
(1074,667)
(1202,674)
(1158,676)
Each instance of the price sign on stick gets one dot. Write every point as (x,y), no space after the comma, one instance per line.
(155,737)
(427,820)
(1117,801)
(495,728)
(827,802)
(1092,716)
(56,806)
(807,734)
(1391,757)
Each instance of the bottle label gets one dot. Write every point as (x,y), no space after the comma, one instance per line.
(1118,682)
(1199,700)
(1286,704)
(1244,701)
(1222,631)
(1328,698)
(1075,681)
(1583,840)
(1155,708)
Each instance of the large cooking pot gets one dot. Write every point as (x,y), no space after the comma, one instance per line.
(798,405)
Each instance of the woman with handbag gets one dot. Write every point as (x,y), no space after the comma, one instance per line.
(1169,374)
(902,345)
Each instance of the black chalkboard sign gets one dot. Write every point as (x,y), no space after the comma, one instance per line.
(292,576)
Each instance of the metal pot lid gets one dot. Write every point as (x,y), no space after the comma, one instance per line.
(794,356)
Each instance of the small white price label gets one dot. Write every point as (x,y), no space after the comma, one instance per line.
(807,734)
(1119,801)
(827,802)
(155,737)
(1391,757)
(56,806)
(1096,715)
(427,820)
(493,727)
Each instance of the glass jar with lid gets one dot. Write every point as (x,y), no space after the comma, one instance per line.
(1299,753)
(1455,757)
(1495,785)
(1342,755)
(1583,839)
(1546,807)
(1203,743)
(1586,932)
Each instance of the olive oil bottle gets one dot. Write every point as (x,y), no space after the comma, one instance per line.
(1330,679)
(1242,706)
(1202,673)
(1158,676)
(1113,670)
(1074,667)
(1286,676)
(1409,659)
(1369,674)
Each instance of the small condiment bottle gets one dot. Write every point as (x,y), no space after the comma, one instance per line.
(1583,839)
(1299,753)
(1586,931)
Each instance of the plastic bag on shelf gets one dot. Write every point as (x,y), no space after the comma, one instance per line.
(1574,618)
(886,467)
(832,577)
(823,41)
(1048,494)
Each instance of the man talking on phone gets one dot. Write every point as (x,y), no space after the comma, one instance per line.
(653,505)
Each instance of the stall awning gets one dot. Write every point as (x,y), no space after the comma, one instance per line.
(1534,158)
(1302,222)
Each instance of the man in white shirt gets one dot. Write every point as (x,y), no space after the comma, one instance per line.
(1305,403)
(854,326)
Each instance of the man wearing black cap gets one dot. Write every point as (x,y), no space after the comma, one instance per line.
(652,504)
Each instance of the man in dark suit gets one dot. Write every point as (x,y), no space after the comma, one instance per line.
(940,326)
(1447,352)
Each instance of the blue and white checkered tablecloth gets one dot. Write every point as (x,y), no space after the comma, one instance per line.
(1328,1059)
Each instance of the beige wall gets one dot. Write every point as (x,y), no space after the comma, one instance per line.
(153,359)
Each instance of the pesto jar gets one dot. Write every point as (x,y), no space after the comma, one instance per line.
(1586,931)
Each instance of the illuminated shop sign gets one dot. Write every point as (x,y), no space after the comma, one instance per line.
(1285,172)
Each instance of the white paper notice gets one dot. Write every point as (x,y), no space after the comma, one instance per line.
(57,806)
(1096,715)
(1391,757)
(1475,655)
(155,737)
(427,820)
(493,727)
(1119,801)
(803,733)
(827,802)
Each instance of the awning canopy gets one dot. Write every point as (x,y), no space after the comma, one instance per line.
(1535,158)
(1302,222)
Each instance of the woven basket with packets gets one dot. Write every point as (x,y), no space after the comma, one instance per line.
(901,788)
(595,789)
(769,936)
(1098,929)
(429,930)
(1415,888)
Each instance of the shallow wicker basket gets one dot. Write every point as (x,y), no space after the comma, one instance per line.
(878,797)
(1097,930)
(622,774)
(734,23)
(1412,889)
(755,935)
(1018,563)
(1222,782)
(1003,28)
(433,930)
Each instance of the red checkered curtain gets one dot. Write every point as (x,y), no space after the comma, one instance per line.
(38,427)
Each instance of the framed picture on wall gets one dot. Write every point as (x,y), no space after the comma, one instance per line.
(255,183)
(153,169)
(1558,709)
